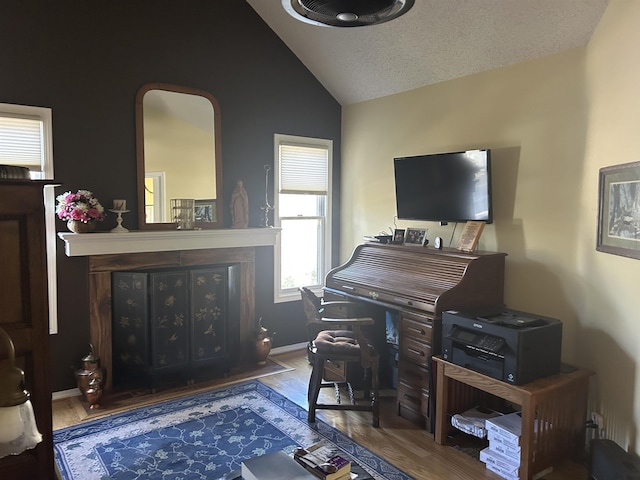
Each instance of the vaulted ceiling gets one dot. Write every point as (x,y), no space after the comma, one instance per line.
(437,40)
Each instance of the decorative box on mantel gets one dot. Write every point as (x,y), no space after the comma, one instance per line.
(114,252)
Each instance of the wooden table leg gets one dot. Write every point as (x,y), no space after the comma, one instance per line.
(442,402)
(526,438)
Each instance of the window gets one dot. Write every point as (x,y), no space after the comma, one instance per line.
(26,140)
(303,212)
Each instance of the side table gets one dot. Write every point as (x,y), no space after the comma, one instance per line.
(554,410)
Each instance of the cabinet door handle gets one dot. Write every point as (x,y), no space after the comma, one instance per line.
(419,331)
(416,352)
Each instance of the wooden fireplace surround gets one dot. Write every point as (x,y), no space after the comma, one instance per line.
(101,267)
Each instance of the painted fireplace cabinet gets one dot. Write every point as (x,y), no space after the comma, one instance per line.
(169,325)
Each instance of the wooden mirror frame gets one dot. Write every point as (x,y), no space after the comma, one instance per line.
(142,223)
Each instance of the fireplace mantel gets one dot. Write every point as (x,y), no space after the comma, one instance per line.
(86,244)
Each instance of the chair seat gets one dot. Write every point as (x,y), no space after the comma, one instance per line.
(338,343)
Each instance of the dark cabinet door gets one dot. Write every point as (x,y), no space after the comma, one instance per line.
(209,299)
(169,318)
(24,316)
(130,330)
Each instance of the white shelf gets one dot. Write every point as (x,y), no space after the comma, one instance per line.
(83,244)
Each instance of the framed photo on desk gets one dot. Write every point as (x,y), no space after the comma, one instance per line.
(415,236)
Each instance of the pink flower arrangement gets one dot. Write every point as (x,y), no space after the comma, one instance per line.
(82,206)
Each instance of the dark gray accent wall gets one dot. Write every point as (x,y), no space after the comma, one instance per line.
(86,60)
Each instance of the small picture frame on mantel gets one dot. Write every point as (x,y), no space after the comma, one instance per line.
(415,236)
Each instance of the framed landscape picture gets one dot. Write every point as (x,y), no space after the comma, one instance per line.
(619,210)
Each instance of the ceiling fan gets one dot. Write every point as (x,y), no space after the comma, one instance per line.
(346,13)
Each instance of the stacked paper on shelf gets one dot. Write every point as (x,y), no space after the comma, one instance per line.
(508,426)
(500,464)
(473,421)
(503,446)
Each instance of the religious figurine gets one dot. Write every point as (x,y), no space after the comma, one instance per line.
(239,207)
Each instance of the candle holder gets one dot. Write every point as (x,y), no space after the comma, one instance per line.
(119,228)
(266,207)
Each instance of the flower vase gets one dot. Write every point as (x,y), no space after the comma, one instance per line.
(76,226)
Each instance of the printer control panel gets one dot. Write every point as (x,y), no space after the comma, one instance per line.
(480,341)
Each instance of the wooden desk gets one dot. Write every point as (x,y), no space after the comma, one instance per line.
(558,402)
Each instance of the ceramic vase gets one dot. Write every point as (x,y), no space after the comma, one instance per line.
(76,226)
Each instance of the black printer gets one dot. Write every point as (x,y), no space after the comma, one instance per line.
(512,346)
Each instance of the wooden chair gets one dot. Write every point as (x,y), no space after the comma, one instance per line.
(342,340)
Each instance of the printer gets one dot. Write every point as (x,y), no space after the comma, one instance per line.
(509,345)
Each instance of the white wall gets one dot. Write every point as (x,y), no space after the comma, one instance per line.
(551,124)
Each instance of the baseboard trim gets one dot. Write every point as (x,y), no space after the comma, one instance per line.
(288,348)
(72,392)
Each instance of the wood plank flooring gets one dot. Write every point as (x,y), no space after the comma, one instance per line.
(397,440)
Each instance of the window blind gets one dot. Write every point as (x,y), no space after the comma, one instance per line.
(21,142)
(304,169)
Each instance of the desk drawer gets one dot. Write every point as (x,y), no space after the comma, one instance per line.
(413,374)
(417,327)
(413,398)
(416,352)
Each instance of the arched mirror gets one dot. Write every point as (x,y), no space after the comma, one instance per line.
(178,149)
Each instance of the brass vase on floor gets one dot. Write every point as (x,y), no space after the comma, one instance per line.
(263,344)
(90,378)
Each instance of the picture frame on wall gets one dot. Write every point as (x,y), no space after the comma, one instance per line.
(619,210)
(415,236)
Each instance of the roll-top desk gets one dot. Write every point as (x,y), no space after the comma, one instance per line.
(419,283)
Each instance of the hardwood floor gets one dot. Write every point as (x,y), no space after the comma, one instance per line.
(397,440)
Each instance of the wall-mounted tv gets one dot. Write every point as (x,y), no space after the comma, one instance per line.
(444,187)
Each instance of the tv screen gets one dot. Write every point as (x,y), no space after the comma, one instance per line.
(444,187)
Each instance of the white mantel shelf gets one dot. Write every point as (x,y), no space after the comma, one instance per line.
(84,244)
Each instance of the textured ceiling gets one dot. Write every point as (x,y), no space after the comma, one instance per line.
(437,40)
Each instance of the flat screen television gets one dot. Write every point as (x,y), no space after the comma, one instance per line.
(444,187)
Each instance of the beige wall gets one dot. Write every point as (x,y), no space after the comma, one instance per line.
(551,124)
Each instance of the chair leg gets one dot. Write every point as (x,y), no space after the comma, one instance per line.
(315,383)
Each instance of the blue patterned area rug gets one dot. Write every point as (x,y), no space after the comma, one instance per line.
(202,436)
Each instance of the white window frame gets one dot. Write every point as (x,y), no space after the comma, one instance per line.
(45,173)
(292,294)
